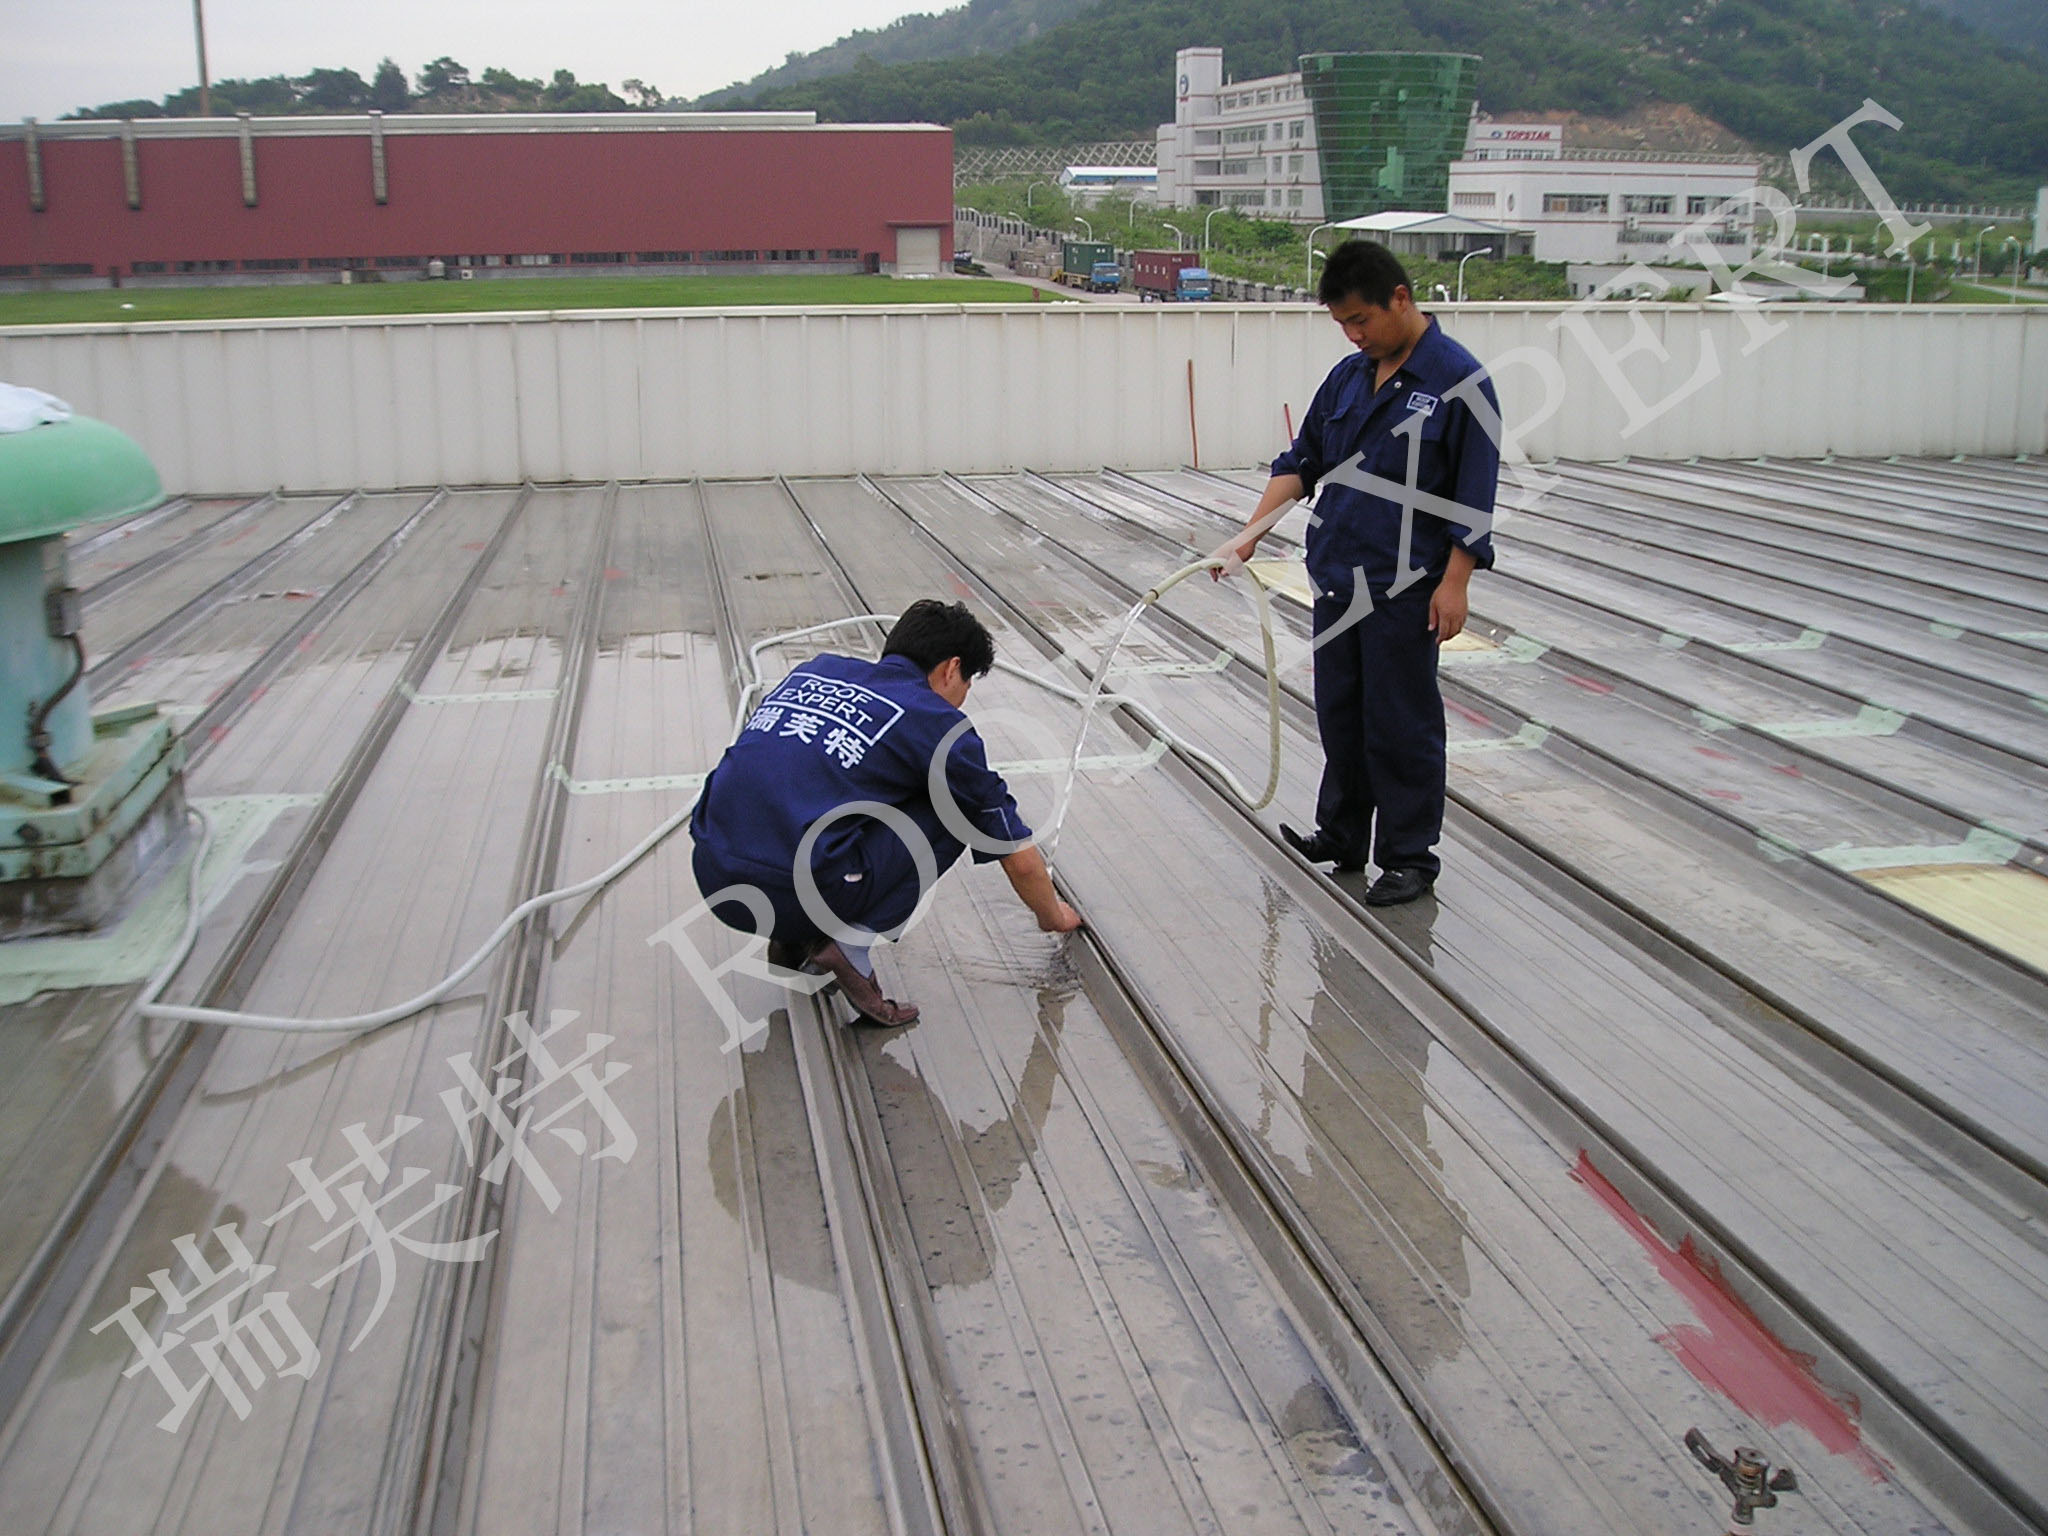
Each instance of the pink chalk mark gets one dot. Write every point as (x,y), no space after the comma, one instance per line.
(1466,712)
(1732,1351)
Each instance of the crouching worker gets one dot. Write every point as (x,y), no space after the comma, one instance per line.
(850,790)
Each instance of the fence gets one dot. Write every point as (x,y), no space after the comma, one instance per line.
(334,403)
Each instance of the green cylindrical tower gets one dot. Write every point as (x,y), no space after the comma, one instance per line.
(1388,126)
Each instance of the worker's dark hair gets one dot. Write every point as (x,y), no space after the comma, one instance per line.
(931,632)
(1362,269)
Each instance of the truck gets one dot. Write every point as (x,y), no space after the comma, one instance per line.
(1169,276)
(1090,264)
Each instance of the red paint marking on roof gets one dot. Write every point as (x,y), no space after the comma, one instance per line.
(218,733)
(306,642)
(1790,770)
(1716,754)
(472,544)
(960,588)
(613,573)
(1466,712)
(261,689)
(1731,1350)
(1724,794)
(1590,684)
(558,591)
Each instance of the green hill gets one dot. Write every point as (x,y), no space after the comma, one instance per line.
(981,26)
(1777,72)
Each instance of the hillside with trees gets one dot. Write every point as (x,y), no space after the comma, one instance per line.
(443,86)
(1775,72)
(980,26)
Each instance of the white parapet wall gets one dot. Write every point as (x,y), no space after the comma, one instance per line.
(627,394)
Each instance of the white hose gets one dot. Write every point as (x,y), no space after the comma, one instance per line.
(149,1007)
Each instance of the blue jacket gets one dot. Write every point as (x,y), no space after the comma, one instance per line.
(1360,529)
(839,729)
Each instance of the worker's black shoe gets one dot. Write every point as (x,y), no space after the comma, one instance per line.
(869,1006)
(1396,886)
(787,956)
(1319,849)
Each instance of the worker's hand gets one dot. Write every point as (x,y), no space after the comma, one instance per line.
(1241,553)
(1447,609)
(1062,919)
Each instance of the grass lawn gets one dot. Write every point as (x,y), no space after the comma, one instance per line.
(128,305)
(1963,292)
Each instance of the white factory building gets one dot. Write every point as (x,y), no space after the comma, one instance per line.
(1595,205)
(1245,144)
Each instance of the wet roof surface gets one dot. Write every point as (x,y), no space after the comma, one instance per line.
(1708,1090)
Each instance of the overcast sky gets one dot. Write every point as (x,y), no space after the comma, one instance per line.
(59,55)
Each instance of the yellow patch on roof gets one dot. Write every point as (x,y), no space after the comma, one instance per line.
(2003,906)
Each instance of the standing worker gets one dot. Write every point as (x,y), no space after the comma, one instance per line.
(850,790)
(1389,581)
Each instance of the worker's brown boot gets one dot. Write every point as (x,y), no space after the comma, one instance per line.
(869,1006)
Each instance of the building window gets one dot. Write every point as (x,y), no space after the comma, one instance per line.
(1695,206)
(791,255)
(660,258)
(842,254)
(1296,129)
(1575,202)
(272,264)
(531,261)
(732,255)
(1208,167)
(1244,199)
(1638,202)
(205,266)
(597,259)
(401,261)
(1294,163)
(1206,137)
(68,269)
(139,268)
(1472,199)
(1294,197)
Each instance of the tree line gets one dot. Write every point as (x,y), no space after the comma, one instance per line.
(442,86)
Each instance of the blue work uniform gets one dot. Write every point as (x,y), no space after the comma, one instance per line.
(1378,709)
(839,730)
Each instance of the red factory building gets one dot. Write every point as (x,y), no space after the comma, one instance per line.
(309,198)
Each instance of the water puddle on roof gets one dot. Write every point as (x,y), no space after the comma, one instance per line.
(1732,1351)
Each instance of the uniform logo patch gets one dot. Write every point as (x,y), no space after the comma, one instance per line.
(1421,404)
(860,710)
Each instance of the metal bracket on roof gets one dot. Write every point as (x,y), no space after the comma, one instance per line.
(1747,1475)
(625,786)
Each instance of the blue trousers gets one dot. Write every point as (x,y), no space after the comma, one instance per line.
(873,884)
(1381,719)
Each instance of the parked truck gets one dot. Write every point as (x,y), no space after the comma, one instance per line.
(1090,264)
(1169,276)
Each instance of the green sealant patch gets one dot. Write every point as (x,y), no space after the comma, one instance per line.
(134,947)
(1809,640)
(1870,720)
(1985,845)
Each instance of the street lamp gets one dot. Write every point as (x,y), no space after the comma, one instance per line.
(1027,194)
(1183,239)
(2019,247)
(1085,225)
(1977,262)
(1484,250)
(1205,232)
(1309,266)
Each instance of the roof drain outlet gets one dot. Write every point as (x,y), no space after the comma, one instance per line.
(1748,1476)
